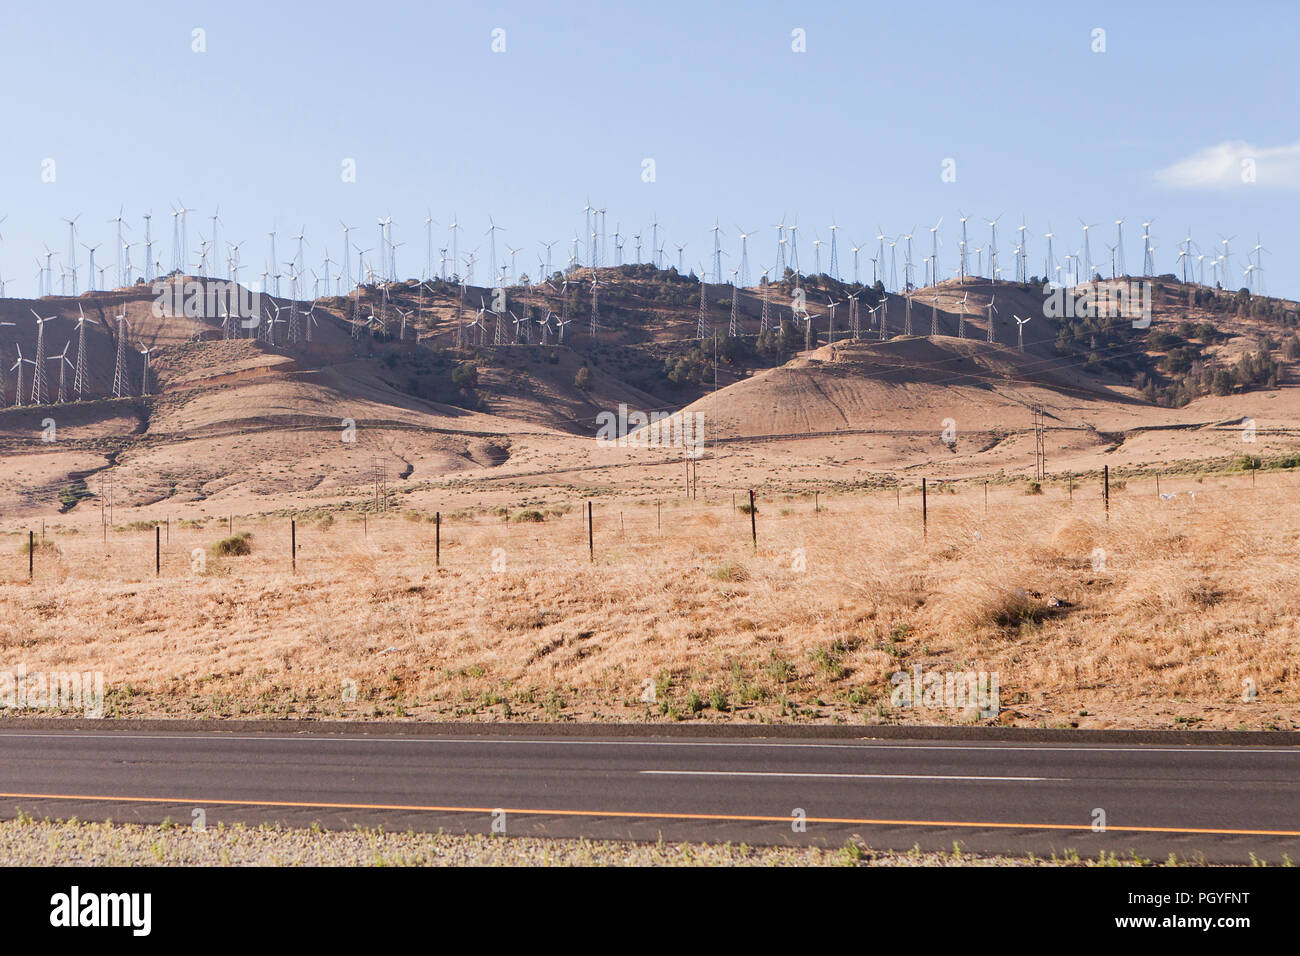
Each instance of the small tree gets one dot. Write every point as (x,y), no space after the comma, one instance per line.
(583,378)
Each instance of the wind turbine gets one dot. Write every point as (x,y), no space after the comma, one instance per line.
(79,380)
(492,242)
(120,222)
(18,367)
(216,218)
(64,365)
(1148,265)
(1023,257)
(717,253)
(1117,254)
(91,250)
(72,250)
(1227,257)
(962,264)
(1087,250)
(1020,332)
(835,262)
(780,246)
(38,372)
(992,312)
(993,247)
(744,255)
(934,252)
(144,383)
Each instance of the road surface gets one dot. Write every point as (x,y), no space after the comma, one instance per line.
(1222,803)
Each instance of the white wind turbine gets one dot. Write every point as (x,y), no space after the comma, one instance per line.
(934,252)
(1022,272)
(962,259)
(835,262)
(1148,264)
(120,222)
(993,246)
(144,384)
(64,365)
(744,255)
(91,250)
(1020,331)
(79,378)
(1227,257)
(18,367)
(1087,251)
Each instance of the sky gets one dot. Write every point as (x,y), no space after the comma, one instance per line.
(1187,117)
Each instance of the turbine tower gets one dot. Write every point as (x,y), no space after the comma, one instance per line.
(744,256)
(121,386)
(38,372)
(119,220)
(79,379)
(72,251)
(934,252)
(835,262)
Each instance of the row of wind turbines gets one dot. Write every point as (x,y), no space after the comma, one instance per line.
(591,248)
(39,390)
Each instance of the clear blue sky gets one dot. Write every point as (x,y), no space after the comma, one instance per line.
(740,127)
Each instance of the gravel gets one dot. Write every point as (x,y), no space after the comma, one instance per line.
(29,842)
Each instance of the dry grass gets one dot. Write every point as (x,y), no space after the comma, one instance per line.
(1189,605)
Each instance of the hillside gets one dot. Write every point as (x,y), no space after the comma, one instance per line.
(392,383)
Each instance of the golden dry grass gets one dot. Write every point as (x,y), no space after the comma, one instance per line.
(1189,605)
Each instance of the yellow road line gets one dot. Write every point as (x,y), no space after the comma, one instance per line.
(641,814)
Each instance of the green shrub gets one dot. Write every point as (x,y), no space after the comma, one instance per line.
(529,514)
(235,546)
(729,571)
(43,547)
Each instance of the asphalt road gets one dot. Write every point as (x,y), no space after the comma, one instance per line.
(1222,803)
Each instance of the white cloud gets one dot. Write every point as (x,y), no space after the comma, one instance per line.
(1228,166)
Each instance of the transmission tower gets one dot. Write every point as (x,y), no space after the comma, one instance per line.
(1040,444)
(734,328)
(700,328)
(767,307)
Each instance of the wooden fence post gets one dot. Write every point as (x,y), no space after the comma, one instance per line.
(753,520)
(925,516)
